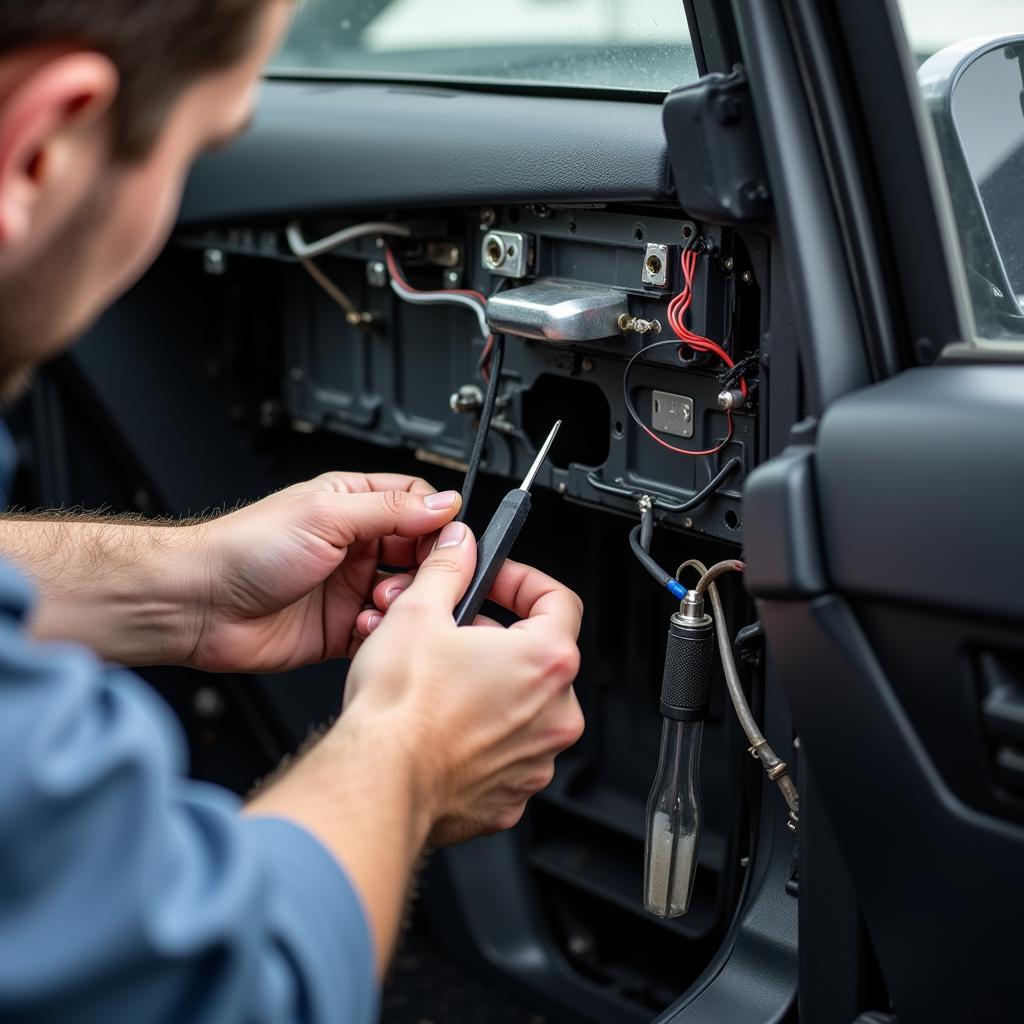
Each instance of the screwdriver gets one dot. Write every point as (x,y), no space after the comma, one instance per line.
(501,534)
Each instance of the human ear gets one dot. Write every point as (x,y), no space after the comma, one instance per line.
(47,114)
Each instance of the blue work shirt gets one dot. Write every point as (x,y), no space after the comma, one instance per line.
(129,893)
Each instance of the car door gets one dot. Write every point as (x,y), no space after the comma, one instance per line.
(882,545)
(861,462)
(231,370)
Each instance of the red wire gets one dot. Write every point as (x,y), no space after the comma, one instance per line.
(485,359)
(634,415)
(687,451)
(681,303)
(676,310)
(396,273)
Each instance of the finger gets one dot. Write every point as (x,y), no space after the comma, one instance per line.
(364,483)
(488,622)
(423,545)
(388,589)
(347,518)
(366,622)
(443,578)
(369,619)
(537,599)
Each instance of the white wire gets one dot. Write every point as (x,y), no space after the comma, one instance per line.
(307,250)
(429,298)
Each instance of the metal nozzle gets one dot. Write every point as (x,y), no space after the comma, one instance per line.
(691,609)
(541,456)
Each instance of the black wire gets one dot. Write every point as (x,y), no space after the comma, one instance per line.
(733,375)
(636,416)
(640,538)
(486,415)
(661,504)
(645,559)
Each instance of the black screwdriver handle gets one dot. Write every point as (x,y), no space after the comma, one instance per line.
(491,551)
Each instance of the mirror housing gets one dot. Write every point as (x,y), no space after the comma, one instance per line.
(974,93)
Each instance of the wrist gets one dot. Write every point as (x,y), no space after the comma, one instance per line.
(132,592)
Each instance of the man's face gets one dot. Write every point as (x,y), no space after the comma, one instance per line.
(95,224)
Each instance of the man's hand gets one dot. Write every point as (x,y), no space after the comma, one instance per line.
(272,586)
(447,731)
(287,577)
(487,708)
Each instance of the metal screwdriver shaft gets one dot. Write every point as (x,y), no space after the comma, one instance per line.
(500,537)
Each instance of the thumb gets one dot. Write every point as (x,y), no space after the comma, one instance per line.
(376,514)
(443,577)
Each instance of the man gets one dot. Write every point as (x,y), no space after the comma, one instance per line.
(128,893)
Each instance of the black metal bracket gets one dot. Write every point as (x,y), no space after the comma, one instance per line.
(715,150)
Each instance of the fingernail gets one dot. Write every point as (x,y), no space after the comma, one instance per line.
(373,622)
(445,499)
(392,594)
(452,535)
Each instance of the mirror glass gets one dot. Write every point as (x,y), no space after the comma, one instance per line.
(987,108)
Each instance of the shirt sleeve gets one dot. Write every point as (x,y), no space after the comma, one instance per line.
(128,893)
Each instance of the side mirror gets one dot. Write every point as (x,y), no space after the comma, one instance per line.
(974,91)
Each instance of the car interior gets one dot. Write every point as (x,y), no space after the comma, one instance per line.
(759,271)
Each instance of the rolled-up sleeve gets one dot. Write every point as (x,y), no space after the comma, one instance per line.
(129,893)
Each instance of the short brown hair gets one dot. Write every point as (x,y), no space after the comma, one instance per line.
(158,46)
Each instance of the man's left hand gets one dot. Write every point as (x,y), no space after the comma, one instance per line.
(282,581)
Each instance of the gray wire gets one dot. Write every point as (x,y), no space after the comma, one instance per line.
(443,298)
(307,250)
(773,765)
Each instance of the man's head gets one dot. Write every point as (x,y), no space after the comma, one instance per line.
(104,105)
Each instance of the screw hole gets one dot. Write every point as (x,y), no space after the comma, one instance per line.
(617,428)
(639,232)
(687,231)
(732,520)
(654,265)
(572,227)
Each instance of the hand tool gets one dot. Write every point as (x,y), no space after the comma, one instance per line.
(501,534)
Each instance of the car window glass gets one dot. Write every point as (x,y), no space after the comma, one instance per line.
(637,45)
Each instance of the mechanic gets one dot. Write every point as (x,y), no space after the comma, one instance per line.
(127,892)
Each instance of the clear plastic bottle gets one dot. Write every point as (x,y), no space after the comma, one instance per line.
(674,817)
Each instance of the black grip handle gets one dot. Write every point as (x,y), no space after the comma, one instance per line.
(491,551)
(689,660)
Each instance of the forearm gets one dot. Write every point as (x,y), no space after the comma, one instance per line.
(120,588)
(358,793)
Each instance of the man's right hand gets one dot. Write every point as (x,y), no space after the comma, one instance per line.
(447,731)
(484,709)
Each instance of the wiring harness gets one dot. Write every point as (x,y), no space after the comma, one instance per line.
(774,767)
(640,538)
(492,356)
(677,309)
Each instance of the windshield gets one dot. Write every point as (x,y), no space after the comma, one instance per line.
(637,45)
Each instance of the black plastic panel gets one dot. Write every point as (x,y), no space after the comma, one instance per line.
(357,146)
(938,882)
(391,383)
(921,490)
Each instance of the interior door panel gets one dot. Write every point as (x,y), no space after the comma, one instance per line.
(901,662)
